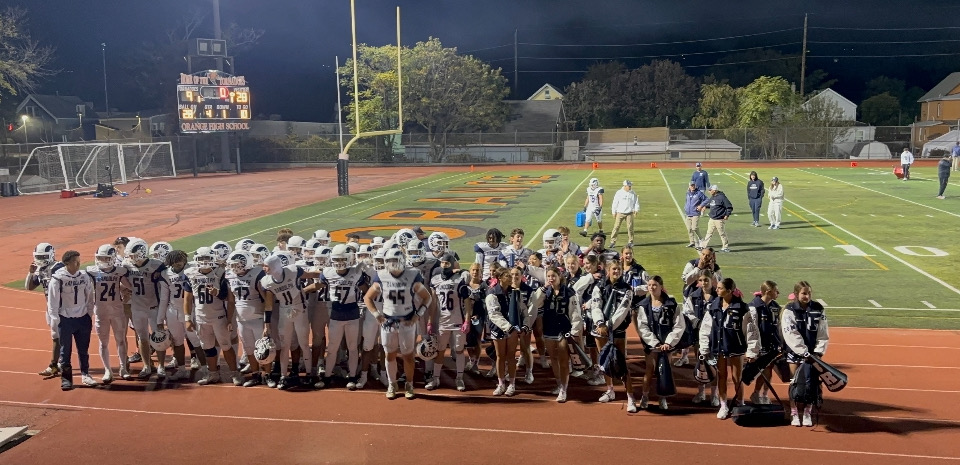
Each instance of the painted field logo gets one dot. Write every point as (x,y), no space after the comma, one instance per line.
(367,233)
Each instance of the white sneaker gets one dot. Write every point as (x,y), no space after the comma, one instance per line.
(145,372)
(608,396)
(433,383)
(764,400)
(392,391)
(362,381)
(107,377)
(460,385)
(807,420)
(682,361)
(700,397)
(755,398)
(161,372)
(351,385)
(544,362)
(171,364)
(771,227)
(246,369)
(501,388)
(632,406)
(237,379)
(511,390)
(212,377)
(663,403)
(125,373)
(644,401)
(409,394)
(194,363)
(529,378)
(723,413)
(322,367)
(562,396)
(88,380)
(492,373)
(794,420)
(715,401)
(576,374)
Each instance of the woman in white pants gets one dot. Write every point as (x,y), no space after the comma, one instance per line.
(776,203)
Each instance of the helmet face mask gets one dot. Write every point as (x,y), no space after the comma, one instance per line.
(439,242)
(240,262)
(393,261)
(321,257)
(43,255)
(259,253)
(137,251)
(323,236)
(106,257)
(205,258)
(551,239)
(415,252)
(221,250)
(340,257)
(378,263)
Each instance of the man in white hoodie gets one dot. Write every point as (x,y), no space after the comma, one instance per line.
(906,159)
(624,207)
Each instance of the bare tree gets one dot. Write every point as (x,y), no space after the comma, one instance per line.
(23,61)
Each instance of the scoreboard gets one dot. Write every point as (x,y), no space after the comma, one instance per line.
(212,102)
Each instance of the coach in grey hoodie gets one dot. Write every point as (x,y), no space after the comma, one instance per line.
(720,211)
(755,196)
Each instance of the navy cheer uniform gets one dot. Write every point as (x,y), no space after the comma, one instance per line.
(560,310)
(768,323)
(660,325)
(804,330)
(729,333)
(610,304)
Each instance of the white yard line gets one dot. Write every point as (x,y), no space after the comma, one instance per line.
(898,309)
(880,192)
(822,302)
(875,303)
(539,235)
(928,304)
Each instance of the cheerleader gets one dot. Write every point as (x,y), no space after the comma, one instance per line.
(694,308)
(583,280)
(661,325)
(610,309)
(560,307)
(804,330)
(509,316)
(526,354)
(768,323)
(728,332)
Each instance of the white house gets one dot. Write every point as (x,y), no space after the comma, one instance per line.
(848,109)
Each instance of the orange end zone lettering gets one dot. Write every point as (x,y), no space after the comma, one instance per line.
(434,215)
(472,200)
(366,233)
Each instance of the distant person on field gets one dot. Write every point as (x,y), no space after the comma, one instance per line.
(592,206)
(943,172)
(625,206)
(695,197)
(755,196)
(906,159)
(720,211)
(955,154)
(700,178)
(776,203)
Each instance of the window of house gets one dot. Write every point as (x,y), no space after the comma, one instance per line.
(938,110)
(32,111)
(546,94)
(859,136)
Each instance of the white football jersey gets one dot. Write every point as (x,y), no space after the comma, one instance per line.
(146,281)
(487,255)
(397,291)
(106,289)
(287,291)
(247,293)
(344,292)
(177,287)
(450,294)
(208,306)
(593,195)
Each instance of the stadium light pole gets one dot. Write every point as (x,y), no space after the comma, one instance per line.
(26,136)
(106,96)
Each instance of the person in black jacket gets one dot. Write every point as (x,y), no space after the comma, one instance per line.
(768,322)
(943,172)
(755,196)
(720,211)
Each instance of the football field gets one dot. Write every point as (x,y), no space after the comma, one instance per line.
(878,251)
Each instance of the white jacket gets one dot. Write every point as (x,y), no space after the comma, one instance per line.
(775,192)
(906,158)
(625,202)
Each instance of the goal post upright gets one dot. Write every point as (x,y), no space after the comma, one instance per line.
(343,160)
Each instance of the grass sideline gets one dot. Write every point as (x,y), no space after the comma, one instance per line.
(873,247)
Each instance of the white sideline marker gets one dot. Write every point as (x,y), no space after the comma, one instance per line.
(822,302)
(928,304)
(930,216)
(901,216)
(843,214)
(873,215)
(875,303)
(810,248)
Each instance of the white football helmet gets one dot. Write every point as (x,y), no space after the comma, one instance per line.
(377,242)
(427,348)
(137,250)
(160,340)
(222,250)
(310,249)
(365,254)
(43,255)
(403,236)
(286,258)
(205,258)
(340,257)
(322,256)
(416,252)
(378,263)
(106,257)
(240,261)
(551,239)
(394,261)
(439,242)
(323,236)
(159,250)
(352,249)
(265,350)
(594,183)
(245,244)
(259,252)
(295,246)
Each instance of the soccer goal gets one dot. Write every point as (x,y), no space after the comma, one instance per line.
(77,166)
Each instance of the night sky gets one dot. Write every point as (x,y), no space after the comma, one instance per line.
(291,70)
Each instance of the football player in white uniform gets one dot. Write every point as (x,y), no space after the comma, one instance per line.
(295,246)
(245,245)
(209,302)
(345,285)
(318,308)
(108,309)
(282,285)
(244,279)
(405,300)
(450,290)
(176,262)
(42,267)
(323,236)
(369,327)
(148,298)
(593,206)
(488,252)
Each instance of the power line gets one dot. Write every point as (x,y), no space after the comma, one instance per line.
(664,23)
(792,57)
(488,48)
(885,28)
(885,56)
(874,42)
(662,43)
(661,56)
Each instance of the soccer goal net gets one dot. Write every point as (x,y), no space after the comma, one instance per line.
(77,166)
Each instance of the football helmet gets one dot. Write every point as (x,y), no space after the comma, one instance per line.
(365,255)
(240,261)
(340,257)
(403,236)
(394,260)
(265,350)
(160,340)
(378,263)
(43,255)
(159,250)
(323,236)
(391,244)
(106,257)
(205,258)
(137,250)
(259,252)
(427,348)
(322,256)
(295,246)
(438,241)
(551,239)
(245,244)
(352,249)
(416,253)
(594,182)
(377,242)
(310,249)
(221,250)
(286,258)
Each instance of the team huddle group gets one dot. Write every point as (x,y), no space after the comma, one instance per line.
(311,313)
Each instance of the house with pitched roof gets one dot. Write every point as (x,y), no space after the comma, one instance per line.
(939,110)
(547,92)
(56,118)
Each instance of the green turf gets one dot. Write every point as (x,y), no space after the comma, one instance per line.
(869,209)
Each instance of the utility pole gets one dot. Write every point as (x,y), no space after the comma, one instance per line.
(224,136)
(516,92)
(803,57)
(106,97)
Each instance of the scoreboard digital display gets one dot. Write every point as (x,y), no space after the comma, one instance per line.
(211,102)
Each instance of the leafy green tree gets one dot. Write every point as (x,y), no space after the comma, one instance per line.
(719,107)
(881,110)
